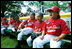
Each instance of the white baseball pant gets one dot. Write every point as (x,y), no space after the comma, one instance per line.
(24,31)
(38,43)
(29,41)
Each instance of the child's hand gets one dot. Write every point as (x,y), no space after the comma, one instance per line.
(42,37)
(56,38)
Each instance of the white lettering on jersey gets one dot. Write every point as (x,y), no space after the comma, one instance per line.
(51,30)
(53,27)
(49,27)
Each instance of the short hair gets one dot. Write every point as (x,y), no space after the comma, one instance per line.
(58,17)
(40,14)
(14,16)
(32,13)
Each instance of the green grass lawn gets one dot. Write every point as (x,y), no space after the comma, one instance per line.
(6,42)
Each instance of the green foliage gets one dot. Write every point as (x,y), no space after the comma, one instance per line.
(11,6)
(15,6)
(49,4)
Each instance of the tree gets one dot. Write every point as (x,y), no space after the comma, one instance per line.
(47,4)
(41,5)
(10,6)
(61,4)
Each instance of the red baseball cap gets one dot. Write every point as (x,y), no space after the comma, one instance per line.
(54,8)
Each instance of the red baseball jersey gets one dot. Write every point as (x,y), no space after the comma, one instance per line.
(11,21)
(39,26)
(29,22)
(56,27)
(4,21)
(14,23)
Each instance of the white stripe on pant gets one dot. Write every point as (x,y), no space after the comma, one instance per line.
(38,43)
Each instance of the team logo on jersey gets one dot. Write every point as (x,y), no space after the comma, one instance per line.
(48,22)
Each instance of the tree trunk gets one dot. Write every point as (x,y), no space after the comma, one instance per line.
(41,5)
(2,13)
(3,8)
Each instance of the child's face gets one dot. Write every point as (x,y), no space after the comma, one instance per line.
(39,18)
(16,18)
(53,14)
(32,16)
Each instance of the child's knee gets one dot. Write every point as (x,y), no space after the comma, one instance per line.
(37,40)
(20,34)
(55,44)
(29,39)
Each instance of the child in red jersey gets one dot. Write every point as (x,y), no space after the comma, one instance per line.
(56,30)
(39,27)
(4,22)
(4,25)
(14,23)
(27,30)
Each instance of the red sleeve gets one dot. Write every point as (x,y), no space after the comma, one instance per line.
(22,24)
(64,27)
(25,21)
(4,22)
(44,27)
(11,22)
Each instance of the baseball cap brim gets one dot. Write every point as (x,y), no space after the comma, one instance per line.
(50,10)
